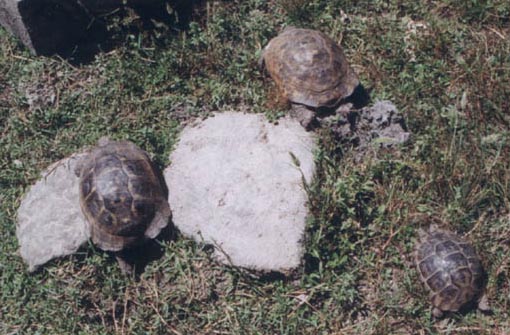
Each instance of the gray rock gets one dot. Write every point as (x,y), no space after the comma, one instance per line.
(234,183)
(50,222)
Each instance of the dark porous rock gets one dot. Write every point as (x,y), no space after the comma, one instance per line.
(378,126)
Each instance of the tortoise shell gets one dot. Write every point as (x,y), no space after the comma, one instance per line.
(449,268)
(309,68)
(121,195)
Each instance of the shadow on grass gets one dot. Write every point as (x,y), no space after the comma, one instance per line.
(152,250)
(99,37)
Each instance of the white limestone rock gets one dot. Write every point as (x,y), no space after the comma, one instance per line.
(50,222)
(233,183)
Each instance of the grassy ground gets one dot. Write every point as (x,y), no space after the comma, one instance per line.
(445,64)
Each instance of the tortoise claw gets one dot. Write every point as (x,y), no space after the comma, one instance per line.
(126,267)
(483,303)
(437,313)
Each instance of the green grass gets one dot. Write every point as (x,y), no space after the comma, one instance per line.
(357,276)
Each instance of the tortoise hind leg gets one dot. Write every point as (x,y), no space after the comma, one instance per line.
(483,303)
(126,266)
(133,261)
(160,221)
(437,313)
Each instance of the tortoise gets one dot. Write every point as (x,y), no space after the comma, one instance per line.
(310,69)
(450,269)
(122,196)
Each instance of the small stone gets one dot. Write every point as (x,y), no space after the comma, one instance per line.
(50,222)
(236,182)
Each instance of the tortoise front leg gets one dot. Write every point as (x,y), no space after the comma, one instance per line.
(437,313)
(304,115)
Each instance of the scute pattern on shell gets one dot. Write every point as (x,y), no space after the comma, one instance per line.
(121,195)
(309,67)
(449,268)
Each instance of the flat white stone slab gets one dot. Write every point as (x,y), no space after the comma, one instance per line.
(233,183)
(50,222)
